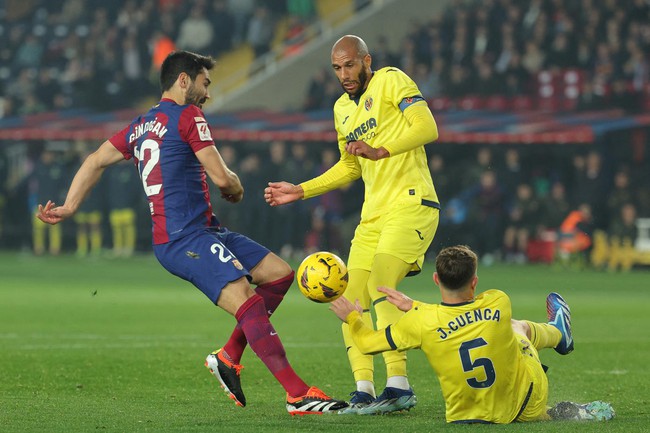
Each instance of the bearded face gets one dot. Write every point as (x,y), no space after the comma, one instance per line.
(352,70)
(195,95)
(197,91)
(355,87)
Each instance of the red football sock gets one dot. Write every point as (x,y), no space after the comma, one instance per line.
(266,344)
(272,293)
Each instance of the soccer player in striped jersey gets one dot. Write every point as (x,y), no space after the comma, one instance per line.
(383,123)
(174,153)
(487,363)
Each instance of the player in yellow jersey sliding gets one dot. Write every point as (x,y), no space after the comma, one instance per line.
(382,122)
(486,362)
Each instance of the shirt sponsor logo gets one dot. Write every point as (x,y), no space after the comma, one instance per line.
(361,130)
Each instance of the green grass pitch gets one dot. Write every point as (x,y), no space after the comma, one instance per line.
(119,345)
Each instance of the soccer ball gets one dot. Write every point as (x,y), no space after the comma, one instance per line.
(322,277)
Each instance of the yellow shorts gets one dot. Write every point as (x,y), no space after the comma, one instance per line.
(92,218)
(536,406)
(404,232)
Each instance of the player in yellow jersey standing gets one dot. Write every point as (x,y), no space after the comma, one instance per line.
(487,364)
(382,122)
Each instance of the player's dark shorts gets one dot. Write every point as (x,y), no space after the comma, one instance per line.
(211,258)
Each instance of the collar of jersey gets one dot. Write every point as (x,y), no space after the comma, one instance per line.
(460,304)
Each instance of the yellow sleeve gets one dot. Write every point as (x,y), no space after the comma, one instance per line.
(422,130)
(367,340)
(406,333)
(341,173)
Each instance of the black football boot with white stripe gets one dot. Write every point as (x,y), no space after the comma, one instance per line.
(315,402)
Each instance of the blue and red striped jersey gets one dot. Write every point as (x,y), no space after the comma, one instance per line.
(163,143)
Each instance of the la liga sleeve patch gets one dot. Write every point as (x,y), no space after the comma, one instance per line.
(204,131)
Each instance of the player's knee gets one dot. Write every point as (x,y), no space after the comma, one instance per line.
(234,294)
(520,327)
(283,277)
(279,266)
(271,268)
(285,270)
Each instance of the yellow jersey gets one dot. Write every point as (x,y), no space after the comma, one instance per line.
(377,117)
(472,348)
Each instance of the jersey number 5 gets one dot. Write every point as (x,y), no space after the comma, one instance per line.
(469,365)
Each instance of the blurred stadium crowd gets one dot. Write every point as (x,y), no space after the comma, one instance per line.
(509,202)
(500,47)
(104,55)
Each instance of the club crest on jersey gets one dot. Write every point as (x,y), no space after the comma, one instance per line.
(368,104)
(237,264)
(204,131)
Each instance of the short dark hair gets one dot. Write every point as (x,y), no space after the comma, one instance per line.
(182,61)
(456,266)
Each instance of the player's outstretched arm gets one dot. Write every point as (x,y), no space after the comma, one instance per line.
(279,193)
(87,176)
(368,340)
(398,299)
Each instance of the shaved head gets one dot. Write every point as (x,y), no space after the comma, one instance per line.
(351,63)
(351,44)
